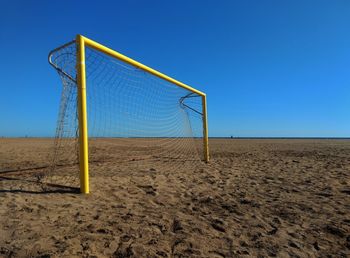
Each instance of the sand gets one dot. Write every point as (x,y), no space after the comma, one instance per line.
(256,198)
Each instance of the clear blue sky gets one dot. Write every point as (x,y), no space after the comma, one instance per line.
(269,68)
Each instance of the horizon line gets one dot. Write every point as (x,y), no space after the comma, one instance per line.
(210,137)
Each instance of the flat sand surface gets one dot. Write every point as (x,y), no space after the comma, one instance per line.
(256,198)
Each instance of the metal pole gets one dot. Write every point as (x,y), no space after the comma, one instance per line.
(83,132)
(205,129)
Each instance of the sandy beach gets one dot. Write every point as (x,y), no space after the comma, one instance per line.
(256,198)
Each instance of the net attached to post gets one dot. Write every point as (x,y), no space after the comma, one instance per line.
(135,119)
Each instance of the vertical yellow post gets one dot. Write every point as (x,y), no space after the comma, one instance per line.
(205,128)
(83,132)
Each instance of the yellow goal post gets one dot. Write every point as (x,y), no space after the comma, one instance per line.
(83,42)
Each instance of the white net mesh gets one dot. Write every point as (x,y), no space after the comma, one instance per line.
(133,117)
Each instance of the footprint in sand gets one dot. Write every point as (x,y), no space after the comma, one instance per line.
(148,189)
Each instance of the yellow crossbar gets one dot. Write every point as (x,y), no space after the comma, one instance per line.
(115,54)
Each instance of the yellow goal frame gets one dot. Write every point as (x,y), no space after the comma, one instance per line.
(82,42)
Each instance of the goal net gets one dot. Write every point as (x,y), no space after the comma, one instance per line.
(134,118)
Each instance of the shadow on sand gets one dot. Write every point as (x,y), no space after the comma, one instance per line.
(41,188)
